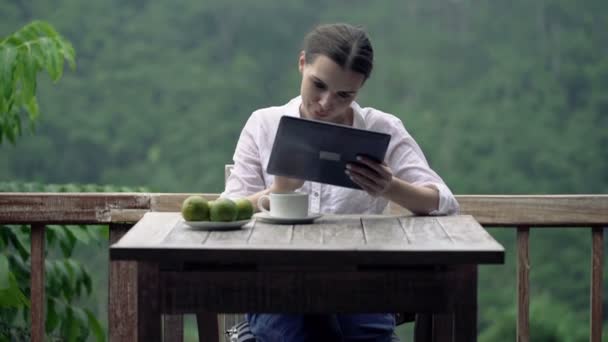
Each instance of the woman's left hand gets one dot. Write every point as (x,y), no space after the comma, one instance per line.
(375,178)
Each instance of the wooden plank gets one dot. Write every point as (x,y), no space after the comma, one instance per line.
(184,235)
(489,210)
(37,296)
(122,293)
(307,234)
(531,210)
(413,290)
(149,321)
(342,231)
(57,208)
(173,201)
(523,284)
(343,241)
(424,230)
(384,231)
(127,215)
(270,233)
(173,328)
(208,326)
(464,229)
(151,230)
(537,211)
(597,267)
(230,237)
(304,255)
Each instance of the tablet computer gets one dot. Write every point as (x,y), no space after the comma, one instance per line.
(318,151)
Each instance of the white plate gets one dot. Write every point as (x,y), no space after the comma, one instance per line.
(264,217)
(210,225)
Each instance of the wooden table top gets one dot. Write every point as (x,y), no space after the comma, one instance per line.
(330,240)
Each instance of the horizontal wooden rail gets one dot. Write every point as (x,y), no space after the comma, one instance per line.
(521,212)
(488,210)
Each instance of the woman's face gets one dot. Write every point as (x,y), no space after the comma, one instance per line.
(328,90)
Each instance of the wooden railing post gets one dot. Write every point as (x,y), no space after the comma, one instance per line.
(37,297)
(173,328)
(597,265)
(122,293)
(523,284)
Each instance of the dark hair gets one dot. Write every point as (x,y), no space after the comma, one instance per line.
(347,45)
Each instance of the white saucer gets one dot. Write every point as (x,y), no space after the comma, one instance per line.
(265,217)
(210,225)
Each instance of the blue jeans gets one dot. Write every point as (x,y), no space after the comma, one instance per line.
(338,327)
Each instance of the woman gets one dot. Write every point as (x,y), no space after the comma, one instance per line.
(335,62)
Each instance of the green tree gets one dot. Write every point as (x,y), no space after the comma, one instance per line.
(35,47)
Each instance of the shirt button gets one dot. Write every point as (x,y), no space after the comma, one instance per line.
(316,194)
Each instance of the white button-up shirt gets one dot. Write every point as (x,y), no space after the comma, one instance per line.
(404,157)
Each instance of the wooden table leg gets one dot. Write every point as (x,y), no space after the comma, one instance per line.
(465,315)
(122,293)
(148,303)
(207,323)
(423,328)
(443,327)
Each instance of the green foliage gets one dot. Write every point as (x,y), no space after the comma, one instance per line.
(67,280)
(549,322)
(23,54)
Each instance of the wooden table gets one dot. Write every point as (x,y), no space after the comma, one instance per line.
(338,264)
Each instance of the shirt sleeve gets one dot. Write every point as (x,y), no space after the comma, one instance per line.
(246,177)
(409,164)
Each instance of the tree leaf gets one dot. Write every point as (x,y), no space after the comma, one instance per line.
(52,317)
(8,59)
(19,267)
(95,326)
(72,325)
(12,296)
(68,52)
(27,76)
(32,108)
(18,242)
(71,272)
(80,233)
(4,273)
(67,244)
(58,231)
(86,279)
(81,319)
(34,47)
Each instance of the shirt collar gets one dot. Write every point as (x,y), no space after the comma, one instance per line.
(293,109)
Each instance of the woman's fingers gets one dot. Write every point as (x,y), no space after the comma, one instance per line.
(373,177)
(363,173)
(365,183)
(381,168)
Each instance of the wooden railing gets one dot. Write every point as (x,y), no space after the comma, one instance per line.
(122,210)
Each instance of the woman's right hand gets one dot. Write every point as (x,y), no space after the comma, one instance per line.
(286,184)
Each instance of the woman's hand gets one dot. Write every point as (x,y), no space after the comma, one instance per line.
(286,184)
(375,178)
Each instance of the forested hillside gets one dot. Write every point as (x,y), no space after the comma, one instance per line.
(503,96)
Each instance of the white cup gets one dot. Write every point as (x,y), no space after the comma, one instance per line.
(292,205)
